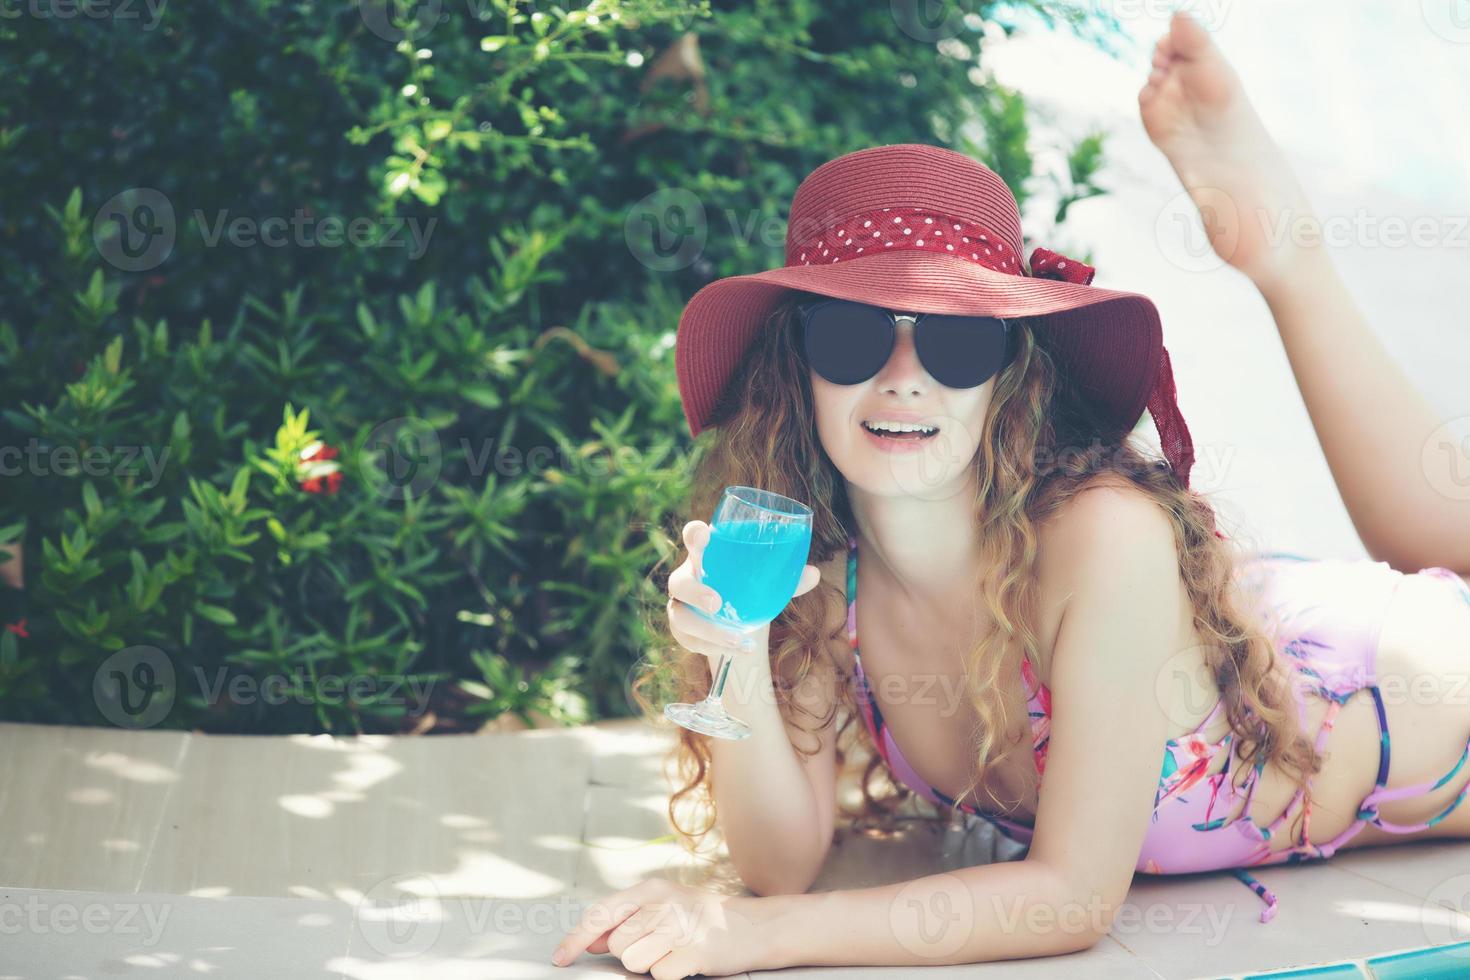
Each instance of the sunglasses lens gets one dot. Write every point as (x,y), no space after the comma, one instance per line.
(847,343)
(962,351)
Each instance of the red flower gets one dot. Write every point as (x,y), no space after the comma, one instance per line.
(19,629)
(316,484)
(316,469)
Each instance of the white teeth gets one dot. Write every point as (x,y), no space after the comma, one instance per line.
(879,426)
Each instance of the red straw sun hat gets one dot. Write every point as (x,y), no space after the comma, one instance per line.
(922,228)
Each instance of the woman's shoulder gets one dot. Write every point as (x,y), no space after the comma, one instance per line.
(1113,486)
(1106,502)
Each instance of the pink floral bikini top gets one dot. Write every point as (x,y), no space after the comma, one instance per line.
(1186,760)
(1185,755)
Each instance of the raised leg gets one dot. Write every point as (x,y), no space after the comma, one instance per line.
(1403,472)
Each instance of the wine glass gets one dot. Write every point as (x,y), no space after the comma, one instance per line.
(758,545)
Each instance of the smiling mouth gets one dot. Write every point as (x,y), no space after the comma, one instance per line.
(912,435)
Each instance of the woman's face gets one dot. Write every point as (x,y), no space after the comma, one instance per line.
(931,468)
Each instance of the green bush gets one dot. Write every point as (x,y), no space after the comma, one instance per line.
(336,348)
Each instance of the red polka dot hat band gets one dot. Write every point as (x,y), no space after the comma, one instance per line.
(915,227)
(926,228)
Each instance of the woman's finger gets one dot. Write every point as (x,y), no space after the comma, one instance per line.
(598,919)
(682,586)
(810,576)
(628,932)
(699,635)
(646,950)
(696,537)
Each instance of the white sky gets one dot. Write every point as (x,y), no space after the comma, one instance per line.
(1360,91)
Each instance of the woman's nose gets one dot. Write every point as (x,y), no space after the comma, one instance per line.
(903,369)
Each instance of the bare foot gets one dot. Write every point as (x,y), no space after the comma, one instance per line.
(1196,111)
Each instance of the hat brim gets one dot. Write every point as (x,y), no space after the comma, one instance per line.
(1105,341)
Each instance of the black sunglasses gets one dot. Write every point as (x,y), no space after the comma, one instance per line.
(848,342)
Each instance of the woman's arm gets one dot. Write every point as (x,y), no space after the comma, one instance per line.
(777,804)
(1403,475)
(776,807)
(1117,636)
(1011,910)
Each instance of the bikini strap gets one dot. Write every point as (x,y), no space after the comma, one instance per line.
(852,595)
(1369,805)
(1266,894)
(1214,712)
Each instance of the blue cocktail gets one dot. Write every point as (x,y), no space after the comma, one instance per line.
(755,566)
(759,543)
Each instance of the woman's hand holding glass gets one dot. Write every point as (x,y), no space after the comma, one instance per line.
(763,539)
(697,633)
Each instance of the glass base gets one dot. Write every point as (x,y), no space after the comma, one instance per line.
(707,718)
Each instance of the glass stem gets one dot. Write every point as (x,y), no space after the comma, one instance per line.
(721,672)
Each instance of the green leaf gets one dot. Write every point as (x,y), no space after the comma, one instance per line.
(366,322)
(112,358)
(482,395)
(10,537)
(429,187)
(239,485)
(397,181)
(90,500)
(215,614)
(477,689)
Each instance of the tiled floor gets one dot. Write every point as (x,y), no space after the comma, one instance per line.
(160,854)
